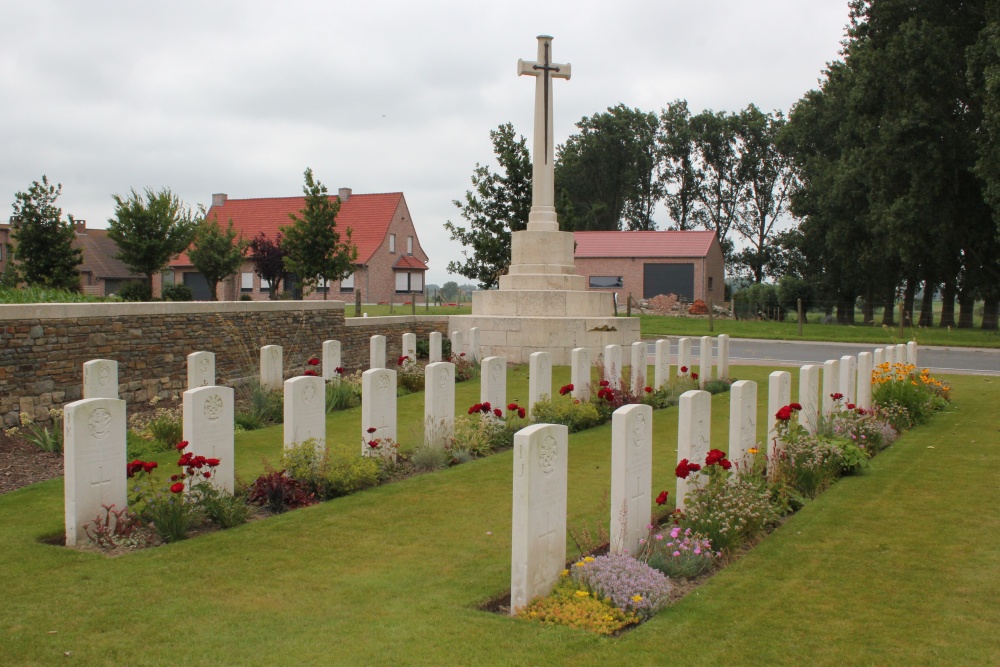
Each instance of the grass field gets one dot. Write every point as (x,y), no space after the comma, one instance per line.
(900,565)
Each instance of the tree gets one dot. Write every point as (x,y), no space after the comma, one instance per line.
(216,253)
(607,173)
(268,257)
(497,206)
(312,243)
(723,184)
(677,159)
(43,252)
(150,231)
(449,291)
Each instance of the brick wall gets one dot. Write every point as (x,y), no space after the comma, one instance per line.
(43,346)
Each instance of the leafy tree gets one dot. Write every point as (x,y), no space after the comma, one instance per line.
(449,291)
(312,243)
(268,257)
(43,252)
(677,159)
(608,171)
(217,253)
(497,206)
(723,183)
(150,230)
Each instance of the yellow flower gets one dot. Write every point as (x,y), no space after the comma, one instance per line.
(588,559)
(753,450)
(636,598)
(582,594)
(579,563)
(564,573)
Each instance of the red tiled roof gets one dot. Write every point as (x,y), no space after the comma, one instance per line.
(99,255)
(367,216)
(643,244)
(409,262)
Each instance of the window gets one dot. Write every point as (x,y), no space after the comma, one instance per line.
(710,283)
(392,243)
(409,282)
(347,284)
(409,245)
(599,282)
(265,284)
(321,284)
(246,282)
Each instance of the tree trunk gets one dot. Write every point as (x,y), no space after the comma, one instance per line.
(991,313)
(908,294)
(927,304)
(889,309)
(213,289)
(948,304)
(966,304)
(868,310)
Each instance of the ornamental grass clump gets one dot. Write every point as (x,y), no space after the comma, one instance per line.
(569,604)
(629,584)
(343,391)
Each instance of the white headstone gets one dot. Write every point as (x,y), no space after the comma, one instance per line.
(694,436)
(662,363)
(538,539)
(208,428)
(848,378)
(705,362)
(434,347)
(580,373)
(378,407)
(472,346)
(899,354)
(684,357)
(831,385)
(864,395)
(723,356)
(779,394)
(879,357)
(493,382)
(458,344)
(539,378)
(631,476)
(305,411)
(742,421)
(94,461)
(410,346)
(331,359)
(200,369)
(439,403)
(911,353)
(613,365)
(100,379)
(376,352)
(809,397)
(639,368)
(271,373)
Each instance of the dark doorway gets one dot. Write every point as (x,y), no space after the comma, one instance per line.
(668,279)
(199,286)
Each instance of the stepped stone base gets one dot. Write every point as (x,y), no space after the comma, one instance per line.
(543,303)
(516,337)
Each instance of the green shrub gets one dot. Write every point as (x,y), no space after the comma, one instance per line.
(717,386)
(166,426)
(247,420)
(424,348)
(576,416)
(480,434)
(226,510)
(135,291)
(264,404)
(329,475)
(343,393)
(177,292)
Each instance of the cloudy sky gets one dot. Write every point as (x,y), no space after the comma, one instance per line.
(240,97)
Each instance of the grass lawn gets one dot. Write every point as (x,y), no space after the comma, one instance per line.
(898,565)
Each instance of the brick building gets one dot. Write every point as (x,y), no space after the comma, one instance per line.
(391,263)
(689,264)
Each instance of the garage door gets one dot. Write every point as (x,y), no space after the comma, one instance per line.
(199,286)
(668,279)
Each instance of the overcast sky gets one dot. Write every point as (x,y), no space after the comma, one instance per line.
(240,97)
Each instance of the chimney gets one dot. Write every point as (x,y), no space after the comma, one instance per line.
(219,199)
(80,226)
(344,194)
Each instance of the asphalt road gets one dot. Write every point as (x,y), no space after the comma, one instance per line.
(962,360)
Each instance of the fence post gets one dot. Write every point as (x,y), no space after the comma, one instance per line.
(711,321)
(799,308)
(357,303)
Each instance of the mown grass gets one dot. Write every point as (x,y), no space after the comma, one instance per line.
(895,566)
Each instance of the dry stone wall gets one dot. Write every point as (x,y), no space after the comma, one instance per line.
(43,346)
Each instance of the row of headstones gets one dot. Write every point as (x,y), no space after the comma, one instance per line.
(538,552)
(613,359)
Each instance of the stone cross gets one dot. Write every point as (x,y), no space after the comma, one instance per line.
(539,378)
(631,476)
(661,363)
(580,374)
(542,216)
(538,526)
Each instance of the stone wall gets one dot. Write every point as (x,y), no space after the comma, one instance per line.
(43,346)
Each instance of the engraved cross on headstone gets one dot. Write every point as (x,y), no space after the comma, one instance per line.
(99,477)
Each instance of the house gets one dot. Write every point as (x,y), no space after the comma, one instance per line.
(101,273)
(391,263)
(644,264)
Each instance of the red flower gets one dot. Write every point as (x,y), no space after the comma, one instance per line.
(784,413)
(726,464)
(662,498)
(497,412)
(207,474)
(684,369)
(512,406)
(565,389)
(521,413)
(313,361)
(649,390)
(182,444)
(149,466)
(836,396)
(685,468)
(374,444)
(339,370)
(174,478)
(476,408)
(714,456)
(461,354)
(604,383)
(177,487)
(185,459)
(403,359)
(135,466)
(851,406)
(795,406)
(486,408)
(311,373)
(372,429)
(694,376)
(211,463)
